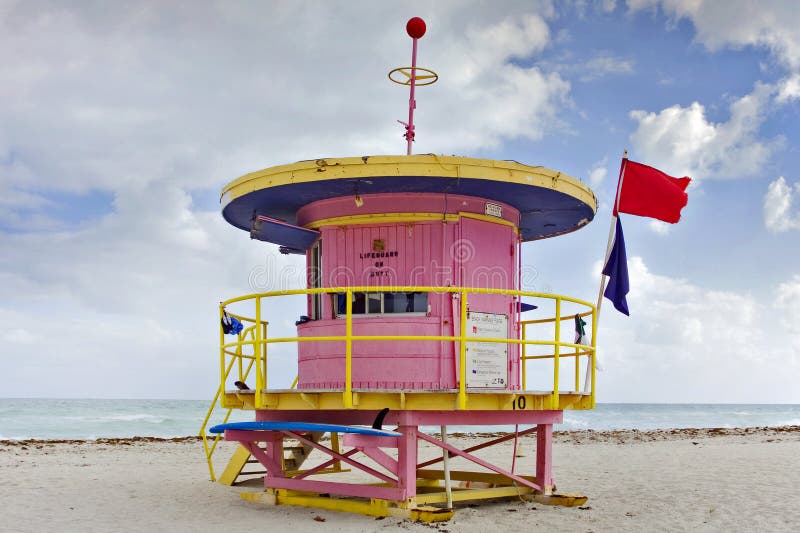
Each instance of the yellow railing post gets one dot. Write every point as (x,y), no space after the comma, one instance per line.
(221,349)
(265,354)
(594,349)
(523,362)
(556,353)
(257,354)
(348,351)
(462,356)
(257,336)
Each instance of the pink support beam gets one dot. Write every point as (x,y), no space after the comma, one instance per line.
(324,465)
(407,461)
(382,458)
(544,457)
(344,489)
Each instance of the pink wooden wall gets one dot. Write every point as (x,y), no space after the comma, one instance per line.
(466,252)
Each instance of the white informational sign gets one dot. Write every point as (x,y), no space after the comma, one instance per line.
(493,210)
(487,362)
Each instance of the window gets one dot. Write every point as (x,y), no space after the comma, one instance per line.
(315,279)
(385,303)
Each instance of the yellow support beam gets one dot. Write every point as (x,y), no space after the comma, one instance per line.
(462,354)
(237,462)
(375,507)
(348,354)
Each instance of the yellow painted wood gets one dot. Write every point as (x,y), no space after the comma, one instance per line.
(374,507)
(348,352)
(466,475)
(381,218)
(562,500)
(461,495)
(394,218)
(464,168)
(289,400)
(235,466)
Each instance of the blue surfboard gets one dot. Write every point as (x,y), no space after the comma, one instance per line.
(304,427)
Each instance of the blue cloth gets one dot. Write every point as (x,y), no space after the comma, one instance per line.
(616,269)
(230,325)
(236,326)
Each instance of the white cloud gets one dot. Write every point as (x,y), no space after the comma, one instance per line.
(98,99)
(498,98)
(787,302)
(584,7)
(598,173)
(686,343)
(782,206)
(771,24)
(788,89)
(151,102)
(658,227)
(603,65)
(133,292)
(683,141)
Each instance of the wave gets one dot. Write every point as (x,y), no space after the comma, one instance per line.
(139,417)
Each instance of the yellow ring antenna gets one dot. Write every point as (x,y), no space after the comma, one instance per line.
(429,78)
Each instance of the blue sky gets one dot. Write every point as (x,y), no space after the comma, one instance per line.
(120,124)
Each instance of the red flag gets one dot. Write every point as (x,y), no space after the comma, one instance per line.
(648,192)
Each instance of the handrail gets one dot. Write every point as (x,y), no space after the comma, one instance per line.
(243,373)
(259,341)
(405,288)
(546,320)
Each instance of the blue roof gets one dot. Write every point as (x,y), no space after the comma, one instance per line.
(544,212)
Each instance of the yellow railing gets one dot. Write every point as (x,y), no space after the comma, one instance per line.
(243,371)
(258,342)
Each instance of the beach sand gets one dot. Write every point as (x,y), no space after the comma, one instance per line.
(669,480)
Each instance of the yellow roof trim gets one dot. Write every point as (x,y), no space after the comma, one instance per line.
(413,165)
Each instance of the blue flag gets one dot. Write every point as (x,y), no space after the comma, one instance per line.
(616,268)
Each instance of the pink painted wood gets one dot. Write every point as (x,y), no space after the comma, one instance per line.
(481,446)
(544,457)
(381,457)
(407,461)
(368,441)
(479,461)
(344,489)
(323,466)
(404,467)
(341,457)
(468,252)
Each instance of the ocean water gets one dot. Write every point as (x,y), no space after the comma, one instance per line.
(91,419)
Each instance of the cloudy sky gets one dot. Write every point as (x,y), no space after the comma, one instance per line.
(120,122)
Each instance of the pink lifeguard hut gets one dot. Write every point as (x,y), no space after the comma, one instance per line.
(414,305)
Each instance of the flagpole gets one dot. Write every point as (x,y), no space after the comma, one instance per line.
(611,230)
(609,245)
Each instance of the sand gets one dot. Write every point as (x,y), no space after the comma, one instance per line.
(674,480)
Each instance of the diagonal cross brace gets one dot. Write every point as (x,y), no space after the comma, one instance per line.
(342,457)
(323,466)
(483,445)
(479,461)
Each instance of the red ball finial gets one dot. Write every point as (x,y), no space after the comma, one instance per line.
(415,27)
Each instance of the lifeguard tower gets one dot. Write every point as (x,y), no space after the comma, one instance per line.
(413,304)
